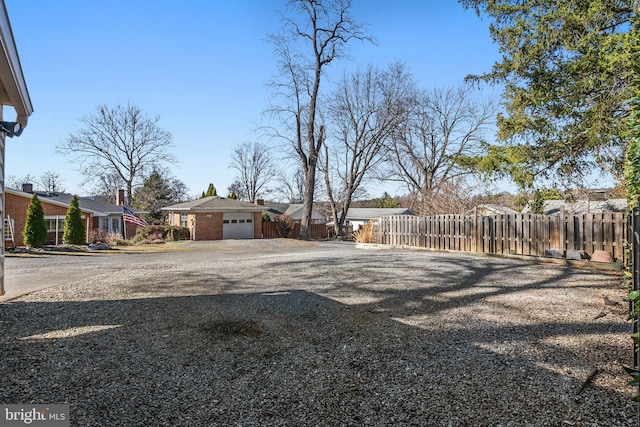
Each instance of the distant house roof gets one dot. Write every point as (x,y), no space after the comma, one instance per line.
(295,211)
(214,204)
(88,203)
(553,207)
(491,209)
(355,214)
(276,207)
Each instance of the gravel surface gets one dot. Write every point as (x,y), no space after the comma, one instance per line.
(261,333)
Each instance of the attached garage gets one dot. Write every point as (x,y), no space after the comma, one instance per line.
(216,218)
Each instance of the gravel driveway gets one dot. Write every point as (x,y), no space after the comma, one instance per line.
(261,333)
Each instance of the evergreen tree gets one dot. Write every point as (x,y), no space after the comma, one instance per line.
(566,69)
(203,195)
(386,201)
(211,191)
(158,190)
(74,233)
(232,195)
(537,204)
(35,228)
(632,160)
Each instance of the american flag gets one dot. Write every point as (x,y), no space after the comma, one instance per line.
(129,216)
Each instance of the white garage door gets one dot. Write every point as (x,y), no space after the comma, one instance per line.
(237,225)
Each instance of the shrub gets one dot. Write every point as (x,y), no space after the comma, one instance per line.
(284,225)
(97,236)
(160,233)
(35,228)
(366,234)
(74,233)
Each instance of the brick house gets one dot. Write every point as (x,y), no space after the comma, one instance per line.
(217,218)
(16,204)
(96,216)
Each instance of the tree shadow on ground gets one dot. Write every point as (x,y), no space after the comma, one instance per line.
(295,357)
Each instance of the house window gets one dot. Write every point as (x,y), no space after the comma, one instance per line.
(51,224)
(184,220)
(109,224)
(115,225)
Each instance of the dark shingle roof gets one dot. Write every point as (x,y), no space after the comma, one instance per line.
(87,203)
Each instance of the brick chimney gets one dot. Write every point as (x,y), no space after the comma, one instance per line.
(259,202)
(120,197)
(27,187)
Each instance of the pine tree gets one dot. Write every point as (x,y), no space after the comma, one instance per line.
(386,201)
(232,195)
(74,233)
(35,228)
(211,191)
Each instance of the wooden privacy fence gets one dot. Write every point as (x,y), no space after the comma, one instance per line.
(317,231)
(520,234)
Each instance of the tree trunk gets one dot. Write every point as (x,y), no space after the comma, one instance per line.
(307,205)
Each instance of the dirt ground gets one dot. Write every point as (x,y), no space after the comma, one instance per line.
(295,333)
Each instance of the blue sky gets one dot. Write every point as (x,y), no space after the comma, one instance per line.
(202,66)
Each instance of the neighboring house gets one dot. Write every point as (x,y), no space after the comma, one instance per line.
(217,218)
(16,204)
(95,215)
(357,217)
(295,211)
(109,218)
(491,209)
(274,209)
(554,207)
(13,92)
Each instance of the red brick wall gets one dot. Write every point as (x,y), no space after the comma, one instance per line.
(208,226)
(257,225)
(16,208)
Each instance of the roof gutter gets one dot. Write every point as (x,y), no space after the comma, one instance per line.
(11,71)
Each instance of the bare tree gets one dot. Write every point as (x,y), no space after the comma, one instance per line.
(16,182)
(308,43)
(366,109)
(121,140)
(106,186)
(237,188)
(255,165)
(51,182)
(290,184)
(445,126)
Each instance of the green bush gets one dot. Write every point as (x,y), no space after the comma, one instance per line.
(161,232)
(74,233)
(35,228)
